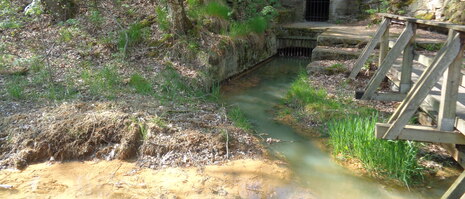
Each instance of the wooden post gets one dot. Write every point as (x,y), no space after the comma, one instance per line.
(391,57)
(422,79)
(407,63)
(457,189)
(369,48)
(449,94)
(384,46)
(454,47)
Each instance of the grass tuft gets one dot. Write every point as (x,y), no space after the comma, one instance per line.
(239,119)
(141,85)
(354,137)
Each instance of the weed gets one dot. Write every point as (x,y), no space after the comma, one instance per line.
(433,47)
(255,25)
(162,18)
(159,122)
(217,10)
(104,82)
(141,85)
(239,119)
(172,85)
(336,68)
(15,87)
(66,35)
(354,137)
(96,17)
(133,35)
(10,24)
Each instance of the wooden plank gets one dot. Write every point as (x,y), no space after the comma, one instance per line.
(380,74)
(457,189)
(388,97)
(369,48)
(423,134)
(440,24)
(449,94)
(384,46)
(420,81)
(407,64)
(447,58)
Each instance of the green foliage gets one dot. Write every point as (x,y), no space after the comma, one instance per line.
(312,101)
(269,12)
(354,137)
(66,34)
(162,18)
(217,10)
(15,87)
(255,25)
(104,82)
(96,17)
(239,119)
(336,68)
(173,85)
(10,24)
(133,35)
(432,47)
(351,132)
(383,8)
(141,85)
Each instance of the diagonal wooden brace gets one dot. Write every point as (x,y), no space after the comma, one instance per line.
(405,112)
(370,47)
(391,57)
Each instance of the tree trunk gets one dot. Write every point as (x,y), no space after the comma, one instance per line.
(61,10)
(181,23)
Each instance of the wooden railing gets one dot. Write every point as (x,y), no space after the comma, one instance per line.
(447,62)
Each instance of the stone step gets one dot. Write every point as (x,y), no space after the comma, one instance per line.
(342,39)
(328,53)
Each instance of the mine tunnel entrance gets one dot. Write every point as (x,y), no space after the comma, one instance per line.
(317,10)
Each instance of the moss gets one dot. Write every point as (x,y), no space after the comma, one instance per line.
(426,16)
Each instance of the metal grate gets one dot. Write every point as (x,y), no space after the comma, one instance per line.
(317,10)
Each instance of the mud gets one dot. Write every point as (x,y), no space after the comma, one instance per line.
(118,179)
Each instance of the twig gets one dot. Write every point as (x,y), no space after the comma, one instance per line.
(227,145)
(49,66)
(113,175)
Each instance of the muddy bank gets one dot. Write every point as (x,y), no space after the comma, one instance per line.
(102,130)
(118,179)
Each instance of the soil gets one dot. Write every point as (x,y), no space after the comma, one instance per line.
(246,178)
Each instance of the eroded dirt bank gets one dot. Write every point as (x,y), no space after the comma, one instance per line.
(246,178)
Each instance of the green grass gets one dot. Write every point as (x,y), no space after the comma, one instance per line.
(253,25)
(217,10)
(354,137)
(162,18)
(351,132)
(15,87)
(135,34)
(141,84)
(103,82)
(239,119)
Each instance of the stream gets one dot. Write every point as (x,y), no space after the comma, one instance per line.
(258,92)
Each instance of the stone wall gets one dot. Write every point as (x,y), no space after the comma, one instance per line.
(236,55)
(338,9)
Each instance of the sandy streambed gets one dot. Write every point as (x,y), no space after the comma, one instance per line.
(119,179)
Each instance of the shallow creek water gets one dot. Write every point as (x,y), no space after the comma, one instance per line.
(257,93)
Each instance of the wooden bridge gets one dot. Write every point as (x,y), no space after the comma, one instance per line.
(436,89)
